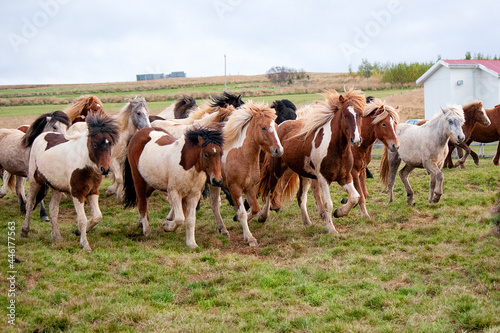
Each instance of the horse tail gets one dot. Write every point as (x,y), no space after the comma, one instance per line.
(12,180)
(129,196)
(291,187)
(384,167)
(42,192)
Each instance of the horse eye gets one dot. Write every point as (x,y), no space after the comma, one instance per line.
(205,155)
(94,145)
(383,125)
(264,128)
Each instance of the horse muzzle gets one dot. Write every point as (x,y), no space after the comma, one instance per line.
(356,143)
(393,148)
(104,171)
(276,152)
(216,182)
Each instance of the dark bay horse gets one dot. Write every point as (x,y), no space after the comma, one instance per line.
(249,129)
(486,134)
(71,166)
(318,146)
(475,116)
(14,153)
(178,166)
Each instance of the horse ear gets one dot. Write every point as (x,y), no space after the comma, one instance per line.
(341,99)
(379,111)
(397,108)
(442,109)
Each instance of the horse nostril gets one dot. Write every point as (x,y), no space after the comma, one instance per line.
(104,171)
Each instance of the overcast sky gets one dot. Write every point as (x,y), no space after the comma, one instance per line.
(83,41)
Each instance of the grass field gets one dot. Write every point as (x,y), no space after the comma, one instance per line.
(426,268)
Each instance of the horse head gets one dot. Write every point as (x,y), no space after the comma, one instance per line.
(480,115)
(209,142)
(57,121)
(351,111)
(139,112)
(285,110)
(103,134)
(92,107)
(380,120)
(454,120)
(264,130)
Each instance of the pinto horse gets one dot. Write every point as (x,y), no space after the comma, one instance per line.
(14,155)
(249,129)
(319,147)
(131,118)
(71,166)
(157,160)
(82,107)
(180,109)
(475,116)
(423,147)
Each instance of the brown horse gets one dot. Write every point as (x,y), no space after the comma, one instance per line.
(475,116)
(486,134)
(318,146)
(249,129)
(84,106)
(178,166)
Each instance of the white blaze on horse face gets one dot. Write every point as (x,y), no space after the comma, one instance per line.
(273,129)
(486,116)
(357,137)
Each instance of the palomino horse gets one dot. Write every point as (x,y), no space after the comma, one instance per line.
(72,166)
(318,147)
(249,129)
(424,146)
(14,155)
(474,113)
(82,107)
(131,118)
(486,134)
(157,160)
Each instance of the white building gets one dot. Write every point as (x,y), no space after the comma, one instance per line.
(461,82)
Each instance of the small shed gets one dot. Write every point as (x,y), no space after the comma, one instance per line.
(461,82)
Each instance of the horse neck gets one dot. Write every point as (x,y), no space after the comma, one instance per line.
(470,118)
(367,132)
(437,127)
(339,140)
(190,156)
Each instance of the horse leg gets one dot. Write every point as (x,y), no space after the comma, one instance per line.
(305,183)
(497,156)
(352,199)
(143,191)
(361,202)
(324,189)
(6,178)
(242,215)
(277,196)
(21,197)
(215,205)
(81,222)
(30,204)
(176,204)
(463,158)
(54,212)
(448,161)
(264,212)
(95,211)
(316,192)
(436,183)
(394,162)
(251,196)
(403,174)
(43,212)
(113,188)
(190,214)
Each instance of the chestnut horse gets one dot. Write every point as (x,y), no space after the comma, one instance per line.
(82,107)
(158,161)
(486,134)
(423,147)
(318,146)
(475,116)
(14,154)
(71,166)
(249,129)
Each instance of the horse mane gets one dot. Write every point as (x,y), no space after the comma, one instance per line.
(322,112)
(100,124)
(182,106)
(224,113)
(209,135)
(226,99)
(242,116)
(285,110)
(376,104)
(450,111)
(123,117)
(40,123)
(476,105)
(74,109)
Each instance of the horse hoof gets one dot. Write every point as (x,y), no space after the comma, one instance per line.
(343,201)
(24,233)
(235,218)
(253,243)
(335,214)
(77,232)
(45,218)
(277,210)
(2,195)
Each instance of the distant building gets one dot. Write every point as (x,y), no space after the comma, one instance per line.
(461,82)
(147,77)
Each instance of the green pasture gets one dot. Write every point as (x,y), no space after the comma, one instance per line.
(156,107)
(425,268)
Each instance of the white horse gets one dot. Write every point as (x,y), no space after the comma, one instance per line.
(131,118)
(424,147)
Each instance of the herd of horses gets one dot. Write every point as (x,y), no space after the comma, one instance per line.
(247,149)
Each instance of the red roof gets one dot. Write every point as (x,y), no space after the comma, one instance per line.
(493,65)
